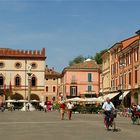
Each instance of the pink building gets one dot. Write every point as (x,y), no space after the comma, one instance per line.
(81,79)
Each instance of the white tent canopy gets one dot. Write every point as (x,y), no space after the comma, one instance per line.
(22,101)
(10,101)
(76,99)
(34,101)
(95,100)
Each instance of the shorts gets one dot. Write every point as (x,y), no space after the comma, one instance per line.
(62,110)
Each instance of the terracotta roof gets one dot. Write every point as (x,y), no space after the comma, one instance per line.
(52,73)
(127,41)
(7,52)
(85,65)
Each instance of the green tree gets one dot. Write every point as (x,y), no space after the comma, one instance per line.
(77,60)
(98,56)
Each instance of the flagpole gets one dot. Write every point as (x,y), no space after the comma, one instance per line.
(10,86)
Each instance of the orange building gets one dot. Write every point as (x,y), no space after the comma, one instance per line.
(125,69)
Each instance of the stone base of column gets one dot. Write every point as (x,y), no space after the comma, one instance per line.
(28,107)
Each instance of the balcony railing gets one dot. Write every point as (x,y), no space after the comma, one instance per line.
(73,81)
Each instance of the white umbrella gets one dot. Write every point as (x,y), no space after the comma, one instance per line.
(93,100)
(35,101)
(10,101)
(76,99)
(22,101)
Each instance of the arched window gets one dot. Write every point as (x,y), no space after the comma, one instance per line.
(54,88)
(1,81)
(17,81)
(46,88)
(33,81)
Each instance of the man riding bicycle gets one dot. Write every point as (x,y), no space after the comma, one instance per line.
(108,108)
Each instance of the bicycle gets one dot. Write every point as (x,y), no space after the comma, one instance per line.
(109,119)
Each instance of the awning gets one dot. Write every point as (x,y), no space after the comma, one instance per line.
(110,96)
(123,95)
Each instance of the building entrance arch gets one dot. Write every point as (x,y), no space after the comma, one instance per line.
(17,96)
(35,97)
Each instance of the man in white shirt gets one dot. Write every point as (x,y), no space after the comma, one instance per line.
(108,107)
(70,107)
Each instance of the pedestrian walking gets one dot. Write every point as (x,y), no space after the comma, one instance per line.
(62,108)
(70,106)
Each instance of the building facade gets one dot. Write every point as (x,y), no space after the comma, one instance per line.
(52,85)
(81,80)
(14,67)
(105,75)
(125,69)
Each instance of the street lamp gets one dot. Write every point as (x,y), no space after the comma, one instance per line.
(122,65)
(29,73)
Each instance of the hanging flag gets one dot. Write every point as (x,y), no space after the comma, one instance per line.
(10,88)
(4,88)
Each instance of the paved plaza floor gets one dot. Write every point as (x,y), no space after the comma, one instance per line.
(38,125)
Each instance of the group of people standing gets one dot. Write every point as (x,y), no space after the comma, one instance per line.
(66,107)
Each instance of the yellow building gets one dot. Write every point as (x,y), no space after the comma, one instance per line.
(105,76)
(52,85)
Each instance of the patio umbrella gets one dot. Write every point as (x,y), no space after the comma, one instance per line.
(10,101)
(22,101)
(34,101)
(76,99)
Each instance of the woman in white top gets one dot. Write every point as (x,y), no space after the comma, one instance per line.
(70,107)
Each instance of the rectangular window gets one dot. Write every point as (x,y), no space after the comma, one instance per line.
(129,78)
(89,77)
(126,62)
(73,79)
(46,88)
(112,68)
(116,67)
(54,89)
(136,54)
(89,88)
(129,58)
(136,75)
(73,90)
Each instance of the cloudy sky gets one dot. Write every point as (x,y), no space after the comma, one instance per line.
(67,28)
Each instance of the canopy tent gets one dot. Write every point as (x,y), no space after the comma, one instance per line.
(22,101)
(123,95)
(34,101)
(76,99)
(95,100)
(110,96)
(10,101)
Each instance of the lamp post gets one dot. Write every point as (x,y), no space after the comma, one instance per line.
(122,65)
(29,73)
